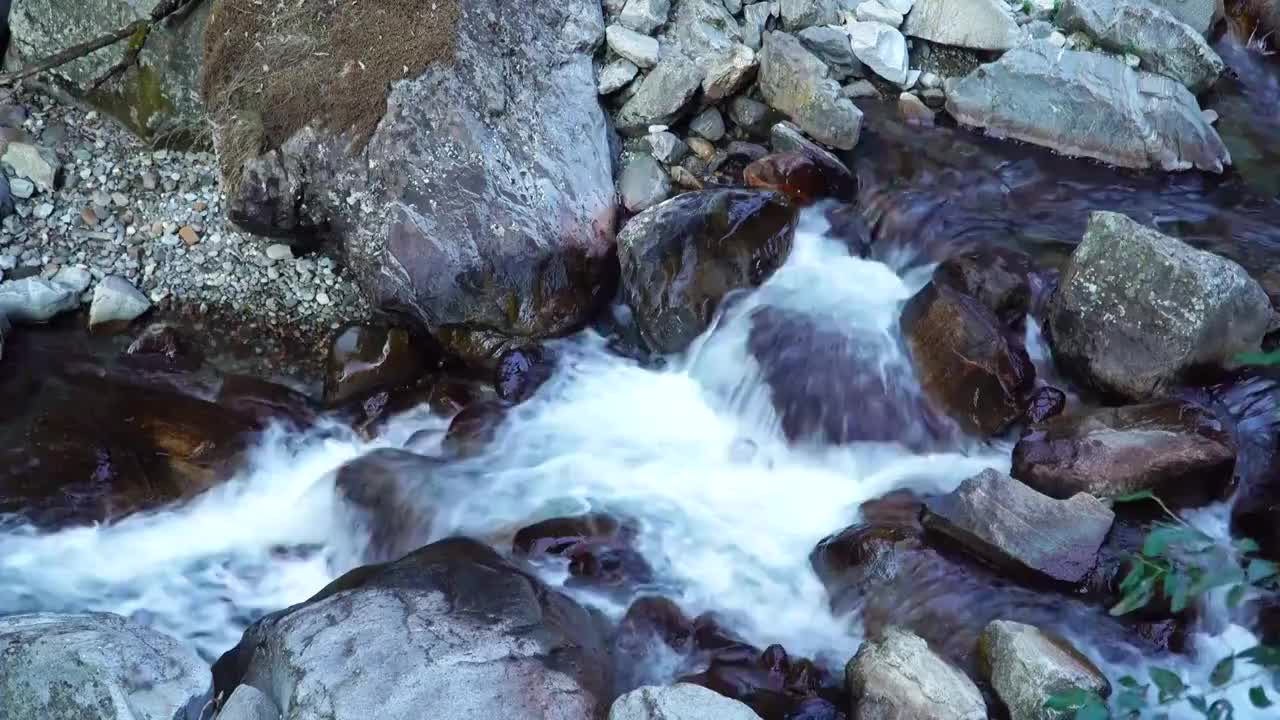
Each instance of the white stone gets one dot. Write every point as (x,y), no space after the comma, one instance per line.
(678,702)
(902,7)
(116,300)
(33,163)
(279,251)
(873,11)
(881,48)
(615,76)
(76,279)
(912,77)
(42,211)
(644,15)
(22,188)
(639,49)
(1057,39)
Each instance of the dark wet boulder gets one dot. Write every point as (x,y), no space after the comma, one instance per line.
(451,627)
(1020,531)
(266,402)
(967,364)
(163,345)
(598,550)
(521,372)
(466,170)
(471,430)
(96,665)
(898,676)
(1177,450)
(366,358)
(392,496)
(682,701)
(804,177)
(1026,666)
(999,279)
(1136,311)
(1046,402)
(679,259)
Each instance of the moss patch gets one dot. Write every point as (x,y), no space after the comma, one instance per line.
(135,100)
(331,63)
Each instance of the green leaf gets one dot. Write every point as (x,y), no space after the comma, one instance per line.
(1138,572)
(1072,699)
(1267,656)
(1198,702)
(1244,546)
(1221,710)
(1226,575)
(1159,539)
(1129,681)
(1169,683)
(1259,698)
(1258,358)
(1223,671)
(1177,587)
(1135,497)
(1235,596)
(1093,710)
(1135,598)
(1260,570)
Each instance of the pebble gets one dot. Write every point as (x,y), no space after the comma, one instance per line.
(702,148)
(279,251)
(42,211)
(1057,39)
(22,188)
(89,217)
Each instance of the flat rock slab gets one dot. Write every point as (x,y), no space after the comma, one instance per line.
(976,24)
(1027,666)
(1008,524)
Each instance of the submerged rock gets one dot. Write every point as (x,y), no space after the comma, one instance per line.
(483,639)
(678,702)
(680,258)
(804,177)
(393,495)
(1090,105)
(976,24)
(97,665)
(597,549)
(1165,44)
(999,279)
(1021,531)
(1027,666)
(364,358)
(1175,449)
(1136,310)
(521,372)
(900,677)
(794,81)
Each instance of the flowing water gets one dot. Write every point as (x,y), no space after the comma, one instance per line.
(694,452)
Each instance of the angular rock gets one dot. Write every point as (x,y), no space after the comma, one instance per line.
(1175,449)
(729,73)
(248,703)
(1201,15)
(900,677)
(365,358)
(1046,402)
(1163,43)
(1136,310)
(1027,666)
(631,45)
(999,279)
(35,300)
(703,30)
(484,640)
(914,111)
(73,277)
(881,48)
(976,24)
(1021,531)
(860,89)
(873,11)
(615,75)
(1089,105)
(644,15)
(754,18)
(666,147)
(800,14)
(803,177)
(709,124)
(831,44)
(966,364)
(751,115)
(97,665)
(683,701)
(797,83)
(680,258)
(34,163)
(116,300)
(21,189)
(662,96)
(643,183)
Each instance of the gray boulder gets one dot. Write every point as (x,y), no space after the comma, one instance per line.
(614,76)
(795,82)
(645,15)
(481,206)
(35,300)
(786,137)
(643,183)
(831,44)
(678,702)
(1019,530)
(702,30)
(1136,310)
(800,14)
(1165,44)
(881,48)
(899,677)
(754,18)
(1090,105)
(709,124)
(157,98)
(729,73)
(115,300)
(483,640)
(98,666)
(662,97)
(1027,666)
(248,703)
(1201,15)
(976,24)
(36,164)
(631,45)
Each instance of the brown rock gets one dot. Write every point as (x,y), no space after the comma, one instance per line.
(189,235)
(89,217)
(803,177)
(366,358)
(999,279)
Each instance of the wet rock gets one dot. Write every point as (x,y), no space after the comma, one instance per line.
(965,361)
(771,683)
(631,45)
(881,48)
(559,535)
(1175,449)
(475,427)
(364,358)
(678,702)
(680,258)
(976,24)
(35,300)
(1136,310)
(266,402)
(1027,666)
(598,550)
(1021,531)
(830,44)
(5,330)
(393,495)
(662,96)
(644,15)
(502,646)
(914,111)
(797,83)
(1163,43)
(249,703)
(786,137)
(709,124)
(751,115)
(96,665)
(900,677)
(116,301)
(1063,99)
(521,372)
(803,177)
(666,147)
(999,279)
(1045,403)
(800,14)
(164,344)
(614,76)
(34,163)
(643,183)
(729,73)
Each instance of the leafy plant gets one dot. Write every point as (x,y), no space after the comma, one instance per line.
(1181,564)
(1259,358)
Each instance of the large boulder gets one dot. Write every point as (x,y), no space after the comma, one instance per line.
(99,666)
(1090,105)
(1201,15)
(678,702)
(392,496)
(967,364)
(158,97)
(451,627)
(35,300)
(1136,310)
(1027,666)
(976,24)
(795,82)
(900,677)
(1164,43)
(465,166)
(680,258)
(1175,449)
(1021,531)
